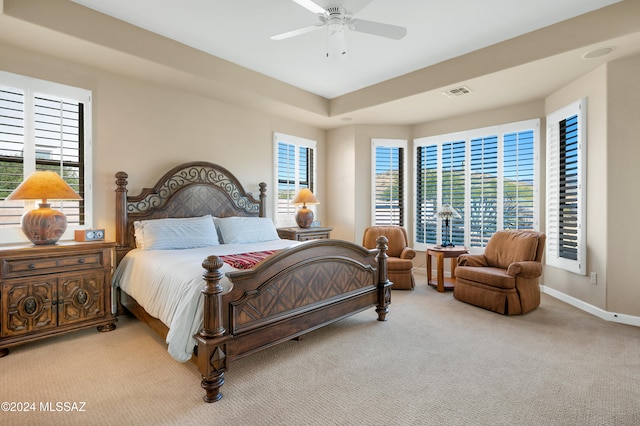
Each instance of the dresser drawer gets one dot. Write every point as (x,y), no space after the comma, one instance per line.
(24,266)
(304,234)
(313,236)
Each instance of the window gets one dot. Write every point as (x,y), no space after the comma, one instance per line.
(43,126)
(566,146)
(440,179)
(483,191)
(426,193)
(389,181)
(518,175)
(295,169)
(487,175)
(452,186)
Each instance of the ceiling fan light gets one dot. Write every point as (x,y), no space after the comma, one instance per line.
(335,23)
(336,44)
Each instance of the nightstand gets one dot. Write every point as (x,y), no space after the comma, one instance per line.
(441,253)
(54,289)
(304,234)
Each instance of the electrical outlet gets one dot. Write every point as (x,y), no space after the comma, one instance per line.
(594,278)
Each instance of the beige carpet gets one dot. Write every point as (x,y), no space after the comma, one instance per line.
(436,361)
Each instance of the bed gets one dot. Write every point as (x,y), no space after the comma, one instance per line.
(290,288)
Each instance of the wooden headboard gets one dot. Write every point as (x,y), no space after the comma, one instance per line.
(191,189)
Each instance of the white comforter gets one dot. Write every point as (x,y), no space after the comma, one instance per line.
(168,285)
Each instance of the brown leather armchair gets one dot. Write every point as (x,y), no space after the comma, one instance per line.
(399,263)
(505,278)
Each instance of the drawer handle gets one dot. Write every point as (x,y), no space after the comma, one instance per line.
(81,260)
(32,266)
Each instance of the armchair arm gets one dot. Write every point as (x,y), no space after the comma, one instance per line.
(528,269)
(407,253)
(472,260)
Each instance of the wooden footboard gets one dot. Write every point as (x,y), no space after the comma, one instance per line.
(291,293)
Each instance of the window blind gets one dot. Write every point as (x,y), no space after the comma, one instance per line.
(483,179)
(568,188)
(518,180)
(487,175)
(453,186)
(59,143)
(295,169)
(12,135)
(426,194)
(389,184)
(286,178)
(566,146)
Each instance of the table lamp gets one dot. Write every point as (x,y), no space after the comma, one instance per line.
(44,225)
(447,213)
(304,216)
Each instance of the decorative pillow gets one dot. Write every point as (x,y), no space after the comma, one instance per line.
(175,233)
(243,230)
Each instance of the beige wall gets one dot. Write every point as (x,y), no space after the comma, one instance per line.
(511,114)
(593,87)
(160,111)
(349,174)
(612,92)
(145,128)
(623,197)
(613,96)
(341,178)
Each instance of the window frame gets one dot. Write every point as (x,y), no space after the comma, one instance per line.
(402,170)
(467,136)
(553,177)
(288,220)
(32,87)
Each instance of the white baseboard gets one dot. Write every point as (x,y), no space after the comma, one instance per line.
(600,313)
(577,303)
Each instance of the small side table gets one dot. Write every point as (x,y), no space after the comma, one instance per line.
(442,253)
(304,234)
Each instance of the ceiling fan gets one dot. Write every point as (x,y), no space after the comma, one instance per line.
(336,19)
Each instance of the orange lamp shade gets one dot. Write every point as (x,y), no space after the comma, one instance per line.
(304,215)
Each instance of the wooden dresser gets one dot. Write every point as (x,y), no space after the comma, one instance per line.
(55,289)
(304,234)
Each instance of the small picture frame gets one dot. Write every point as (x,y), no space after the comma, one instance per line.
(315,224)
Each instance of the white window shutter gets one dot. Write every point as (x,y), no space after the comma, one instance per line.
(558,231)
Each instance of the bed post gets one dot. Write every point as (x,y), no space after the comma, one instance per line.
(263,199)
(212,359)
(122,243)
(384,286)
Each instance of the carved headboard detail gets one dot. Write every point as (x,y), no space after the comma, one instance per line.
(191,189)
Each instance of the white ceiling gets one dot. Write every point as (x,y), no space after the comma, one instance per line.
(239,31)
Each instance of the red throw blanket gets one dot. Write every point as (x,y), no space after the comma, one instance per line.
(246,260)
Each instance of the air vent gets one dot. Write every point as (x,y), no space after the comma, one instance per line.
(457,92)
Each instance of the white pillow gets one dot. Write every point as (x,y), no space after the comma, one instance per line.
(175,233)
(244,230)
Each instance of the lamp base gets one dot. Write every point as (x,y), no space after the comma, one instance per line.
(304,217)
(43,226)
(446,234)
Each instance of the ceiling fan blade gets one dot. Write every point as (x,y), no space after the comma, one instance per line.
(297,32)
(378,28)
(311,6)
(356,5)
